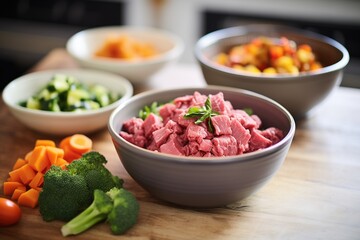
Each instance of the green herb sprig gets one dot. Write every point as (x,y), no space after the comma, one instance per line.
(203,113)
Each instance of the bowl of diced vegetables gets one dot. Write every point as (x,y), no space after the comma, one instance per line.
(66,101)
(134,52)
(294,67)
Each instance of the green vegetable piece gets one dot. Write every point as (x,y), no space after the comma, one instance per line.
(146,110)
(70,95)
(92,167)
(67,192)
(76,95)
(59,83)
(102,95)
(54,106)
(63,195)
(33,103)
(96,212)
(125,211)
(117,206)
(249,111)
(203,113)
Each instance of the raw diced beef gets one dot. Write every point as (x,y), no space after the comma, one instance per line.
(133,132)
(221,125)
(241,134)
(161,135)
(137,139)
(218,103)
(172,146)
(258,141)
(273,134)
(127,136)
(134,125)
(193,148)
(205,145)
(167,111)
(181,120)
(152,123)
(234,131)
(246,120)
(257,121)
(198,99)
(183,102)
(225,145)
(195,132)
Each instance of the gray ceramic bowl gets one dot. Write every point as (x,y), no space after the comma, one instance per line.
(299,94)
(203,182)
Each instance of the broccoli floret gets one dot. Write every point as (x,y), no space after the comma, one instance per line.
(96,212)
(68,192)
(125,210)
(121,214)
(63,195)
(88,161)
(92,167)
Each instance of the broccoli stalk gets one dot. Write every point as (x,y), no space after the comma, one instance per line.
(118,206)
(96,212)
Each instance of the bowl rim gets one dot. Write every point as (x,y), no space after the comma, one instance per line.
(175,51)
(212,37)
(161,157)
(34,75)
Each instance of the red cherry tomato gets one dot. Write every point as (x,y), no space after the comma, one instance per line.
(10,212)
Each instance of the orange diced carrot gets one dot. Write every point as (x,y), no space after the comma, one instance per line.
(80,143)
(17,192)
(29,198)
(69,154)
(27,173)
(27,156)
(37,181)
(54,153)
(61,163)
(44,142)
(15,175)
(38,159)
(19,163)
(9,187)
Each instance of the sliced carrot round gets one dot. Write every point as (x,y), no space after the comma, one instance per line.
(80,143)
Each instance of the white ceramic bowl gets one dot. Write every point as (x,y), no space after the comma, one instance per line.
(300,94)
(196,181)
(84,44)
(63,123)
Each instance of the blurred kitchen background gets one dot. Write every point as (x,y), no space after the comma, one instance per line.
(29,29)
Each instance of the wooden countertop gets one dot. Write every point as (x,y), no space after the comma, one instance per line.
(315,194)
